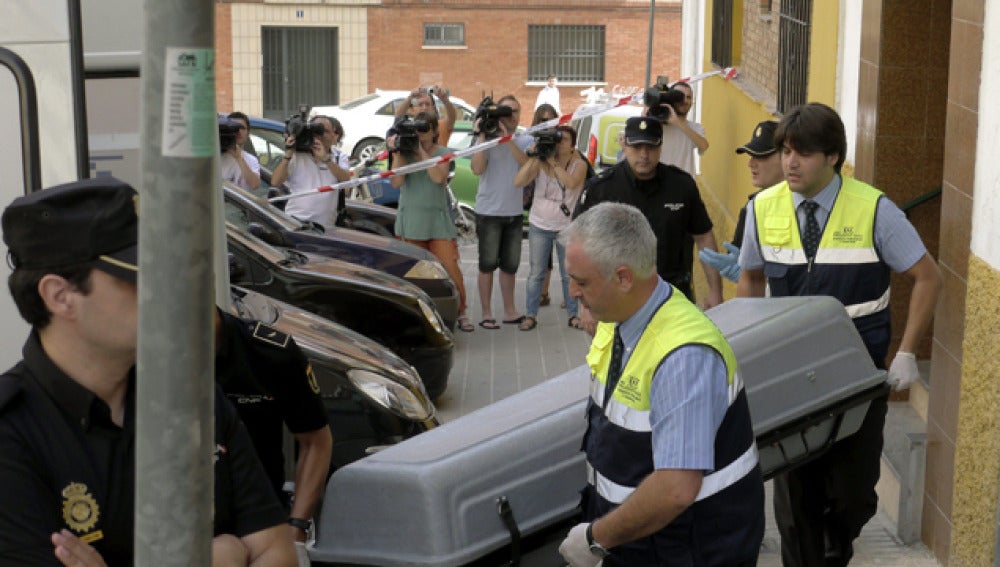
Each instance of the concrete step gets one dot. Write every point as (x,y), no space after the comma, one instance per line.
(901,484)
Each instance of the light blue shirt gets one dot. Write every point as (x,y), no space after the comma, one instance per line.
(497,195)
(896,240)
(689,396)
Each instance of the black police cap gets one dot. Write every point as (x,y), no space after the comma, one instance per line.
(762,142)
(94,220)
(643,130)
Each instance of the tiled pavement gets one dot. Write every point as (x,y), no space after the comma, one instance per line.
(491,365)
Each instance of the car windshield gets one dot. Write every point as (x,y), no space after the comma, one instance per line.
(241,206)
(248,240)
(358,101)
(268,146)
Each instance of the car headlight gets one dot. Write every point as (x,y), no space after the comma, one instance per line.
(391,395)
(427,270)
(432,315)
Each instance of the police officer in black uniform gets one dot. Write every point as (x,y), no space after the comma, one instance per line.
(269,380)
(67,410)
(669,199)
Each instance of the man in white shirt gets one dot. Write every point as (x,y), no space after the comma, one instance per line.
(681,137)
(307,171)
(237,166)
(549,94)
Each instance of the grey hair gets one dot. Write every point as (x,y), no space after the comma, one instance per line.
(613,235)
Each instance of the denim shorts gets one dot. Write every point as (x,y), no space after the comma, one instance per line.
(499,243)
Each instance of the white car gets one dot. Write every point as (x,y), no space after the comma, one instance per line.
(366,119)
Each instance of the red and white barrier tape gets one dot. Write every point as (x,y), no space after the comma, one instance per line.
(728,73)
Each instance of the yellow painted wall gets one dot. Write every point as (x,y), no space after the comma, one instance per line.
(729,114)
(977,448)
(823,46)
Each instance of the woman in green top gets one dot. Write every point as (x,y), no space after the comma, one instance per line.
(424,219)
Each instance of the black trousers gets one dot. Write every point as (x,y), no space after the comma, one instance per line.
(821,506)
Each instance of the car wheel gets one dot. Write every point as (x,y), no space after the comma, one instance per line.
(466,224)
(367,149)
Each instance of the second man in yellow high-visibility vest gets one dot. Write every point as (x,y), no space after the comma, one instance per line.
(819,233)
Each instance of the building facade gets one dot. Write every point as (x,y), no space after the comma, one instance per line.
(274,55)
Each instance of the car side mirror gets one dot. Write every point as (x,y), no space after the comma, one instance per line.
(265,234)
(273,191)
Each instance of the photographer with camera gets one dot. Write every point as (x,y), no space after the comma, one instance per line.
(310,163)
(558,172)
(681,137)
(499,204)
(424,217)
(671,202)
(236,165)
(421,99)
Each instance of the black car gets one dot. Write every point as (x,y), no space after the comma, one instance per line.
(382,307)
(389,255)
(372,397)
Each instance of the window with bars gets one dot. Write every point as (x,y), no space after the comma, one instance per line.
(793,53)
(722,32)
(292,73)
(438,34)
(572,53)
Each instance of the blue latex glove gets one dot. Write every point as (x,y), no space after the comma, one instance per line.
(725,263)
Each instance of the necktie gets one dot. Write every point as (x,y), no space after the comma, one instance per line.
(810,238)
(615,368)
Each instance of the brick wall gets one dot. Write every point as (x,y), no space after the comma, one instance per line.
(223,58)
(495,57)
(759,62)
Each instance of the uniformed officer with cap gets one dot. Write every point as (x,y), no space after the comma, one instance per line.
(670,200)
(269,380)
(765,171)
(67,410)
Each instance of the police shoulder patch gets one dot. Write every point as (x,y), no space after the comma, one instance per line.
(270,335)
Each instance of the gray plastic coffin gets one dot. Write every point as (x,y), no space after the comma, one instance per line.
(808,376)
(432,499)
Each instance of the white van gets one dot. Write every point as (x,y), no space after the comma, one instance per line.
(597,135)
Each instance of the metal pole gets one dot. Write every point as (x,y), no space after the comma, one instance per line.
(175,426)
(649,49)
(79,90)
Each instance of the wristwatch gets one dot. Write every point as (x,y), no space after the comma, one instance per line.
(596,549)
(303,525)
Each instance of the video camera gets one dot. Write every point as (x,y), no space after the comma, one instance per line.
(298,125)
(659,94)
(545,143)
(489,114)
(407,140)
(228,129)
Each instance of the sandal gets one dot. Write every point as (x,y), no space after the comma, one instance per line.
(528,323)
(490,324)
(546,300)
(464,325)
(574,322)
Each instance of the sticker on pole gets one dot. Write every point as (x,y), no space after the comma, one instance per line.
(189,122)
